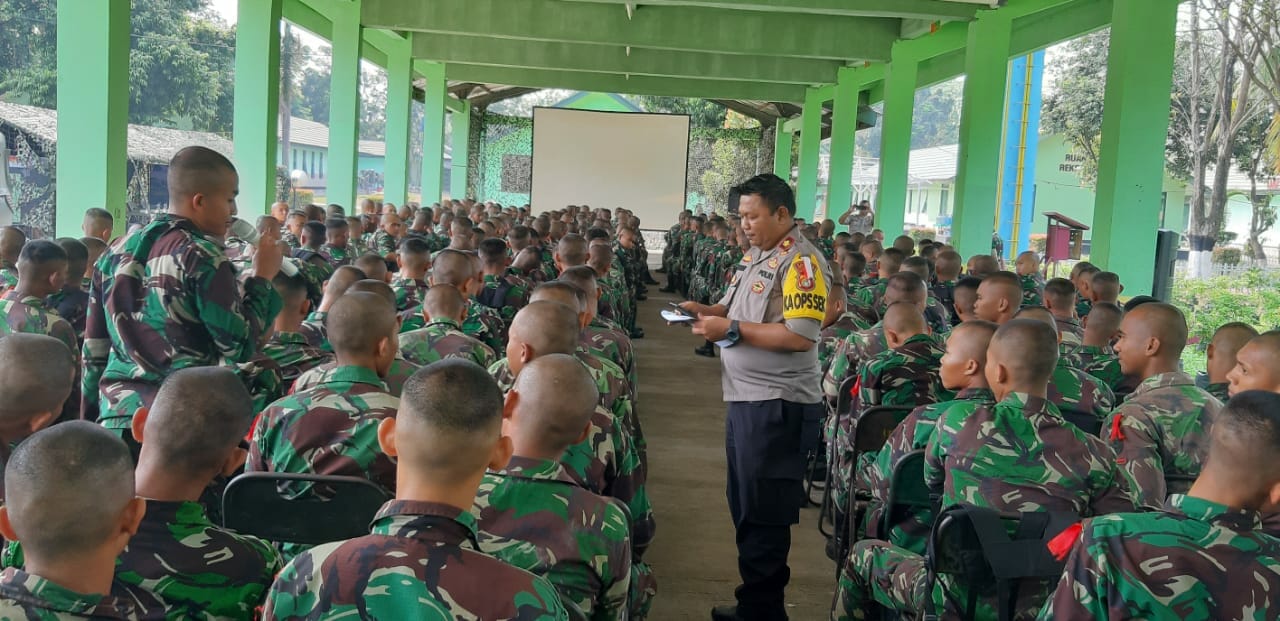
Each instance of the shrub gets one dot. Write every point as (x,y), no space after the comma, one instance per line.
(923,233)
(1039,242)
(1252,297)
(1224,255)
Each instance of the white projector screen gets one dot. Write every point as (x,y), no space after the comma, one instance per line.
(611,159)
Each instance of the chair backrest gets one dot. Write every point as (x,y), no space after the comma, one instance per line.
(1178,483)
(1086,421)
(844,400)
(988,552)
(908,494)
(332,508)
(875,424)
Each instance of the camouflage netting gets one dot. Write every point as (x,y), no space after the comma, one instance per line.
(502,146)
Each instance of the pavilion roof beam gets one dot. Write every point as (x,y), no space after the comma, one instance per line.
(907,9)
(473,50)
(693,29)
(633,85)
(489,98)
(765,118)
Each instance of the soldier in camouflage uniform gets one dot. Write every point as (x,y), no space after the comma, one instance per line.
(384,241)
(166,298)
(71,302)
(935,312)
(291,232)
(501,289)
(331,428)
(422,558)
(1082,277)
(585,550)
(421,229)
(1094,355)
(671,239)
(1073,391)
(1018,455)
(288,348)
(1227,342)
(70,499)
(596,338)
(614,294)
(337,235)
(962,369)
(1202,556)
(907,372)
(1163,427)
(1060,298)
(608,461)
(11,241)
(890,263)
(410,283)
(1028,270)
(42,269)
(1257,365)
(442,336)
(179,558)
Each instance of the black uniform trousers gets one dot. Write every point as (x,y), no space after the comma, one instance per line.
(766,443)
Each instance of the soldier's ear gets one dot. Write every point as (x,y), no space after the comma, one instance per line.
(509,404)
(234,461)
(138,423)
(1270,506)
(387,437)
(586,432)
(6,526)
(971,367)
(501,454)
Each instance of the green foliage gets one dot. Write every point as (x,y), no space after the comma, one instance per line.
(702,113)
(1075,108)
(1039,242)
(729,158)
(1252,297)
(923,233)
(1226,255)
(935,121)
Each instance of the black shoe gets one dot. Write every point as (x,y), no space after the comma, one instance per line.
(660,271)
(668,289)
(707,350)
(637,333)
(642,297)
(648,280)
(725,613)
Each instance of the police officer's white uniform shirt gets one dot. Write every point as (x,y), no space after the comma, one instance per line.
(788,284)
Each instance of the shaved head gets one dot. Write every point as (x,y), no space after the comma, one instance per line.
(982,265)
(1227,341)
(66,488)
(199,415)
(197,170)
(906,287)
(1244,441)
(561,292)
(1257,365)
(999,297)
(358,321)
(444,301)
(11,242)
(556,397)
(449,420)
(904,319)
(376,287)
(36,373)
(453,267)
(373,266)
(601,258)
(547,328)
(1027,349)
(583,278)
(571,251)
(971,339)
(342,279)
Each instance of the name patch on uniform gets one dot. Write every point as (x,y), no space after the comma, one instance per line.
(804,294)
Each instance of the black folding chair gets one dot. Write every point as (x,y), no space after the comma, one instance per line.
(975,547)
(327,508)
(1086,421)
(1178,483)
(871,430)
(844,407)
(908,493)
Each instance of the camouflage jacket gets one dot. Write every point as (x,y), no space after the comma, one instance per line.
(614,346)
(907,375)
(912,434)
(30,315)
(441,339)
(534,516)
(420,561)
(26,597)
(409,292)
(8,278)
(485,324)
(435,243)
(1071,332)
(1032,289)
(831,336)
(165,298)
(1219,390)
(193,569)
(394,380)
(1073,390)
(315,332)
(1195,559)
(549,271)
(827,246)
(382,243)
(1100,362)
(293,355)
(937,315)
(849,356)
(1161,429)
(1020,455)
(72,304)
(1083,307)
(289,238)
(507,294)
(329,429)
(339,256)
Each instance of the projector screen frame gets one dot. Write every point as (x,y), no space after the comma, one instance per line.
(533,141)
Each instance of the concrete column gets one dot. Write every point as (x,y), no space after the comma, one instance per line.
(433,130)
(461,134)
(981,129)
(810,139)
(1135,124)
(782,140)
(399,111)
(844,125)
(895,141)
(344,107)
(256,111)
(93,111)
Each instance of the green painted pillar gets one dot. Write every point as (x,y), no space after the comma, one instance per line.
(433,130)
(844,125)
(1135,124)
(399,111)
(461,132)
(981,130)
(255,118)
(782,140)
(810,139)
(93,111)
(895,141)
(344,107)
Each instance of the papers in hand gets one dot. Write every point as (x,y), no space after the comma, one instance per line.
(674,317)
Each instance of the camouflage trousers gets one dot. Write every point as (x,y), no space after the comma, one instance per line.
(644,587)
(879,572)
(840,458)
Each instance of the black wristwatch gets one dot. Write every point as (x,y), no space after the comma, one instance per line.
(733,335)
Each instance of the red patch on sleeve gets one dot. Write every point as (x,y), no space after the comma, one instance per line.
(1116,432)
(857,387)
(1060,546)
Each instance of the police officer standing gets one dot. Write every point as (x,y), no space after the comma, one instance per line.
(768,325)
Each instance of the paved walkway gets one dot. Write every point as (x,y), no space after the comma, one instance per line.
(694,554)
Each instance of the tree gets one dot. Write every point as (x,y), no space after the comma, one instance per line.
(729,160)
(1211,103)
(702,113)
(1260,21)
(1075,107)
(312,102)
(373,104)
(1251,157)
(935,120)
